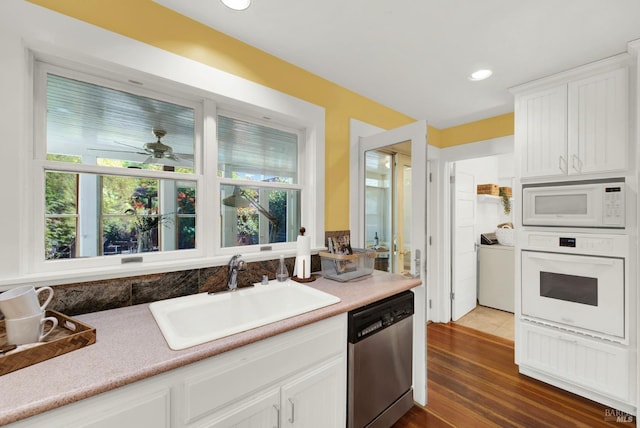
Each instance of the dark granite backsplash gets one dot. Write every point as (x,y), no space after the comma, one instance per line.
(85,297)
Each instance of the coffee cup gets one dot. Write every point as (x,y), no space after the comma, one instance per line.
(23,301)
(29,329)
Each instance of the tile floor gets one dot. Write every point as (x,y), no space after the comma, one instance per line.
(489,320)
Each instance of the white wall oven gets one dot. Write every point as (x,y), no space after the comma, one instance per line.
(589,204)
(576,282)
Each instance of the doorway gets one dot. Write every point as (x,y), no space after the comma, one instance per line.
(478,269)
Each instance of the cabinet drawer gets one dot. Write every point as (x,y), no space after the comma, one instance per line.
(232,376)
(144,404)
(588,363)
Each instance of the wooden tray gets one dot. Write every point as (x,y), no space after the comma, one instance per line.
(69,335)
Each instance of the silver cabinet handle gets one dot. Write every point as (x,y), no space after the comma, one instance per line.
(277,415)
(576,163)
(561,161)
(293,409)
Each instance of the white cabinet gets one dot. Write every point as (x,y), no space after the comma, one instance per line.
(577,127)
(541,132)
(310,400)
(145,403)
(307,365)
(598,123)
(294,379)
(260,411)
(590,367)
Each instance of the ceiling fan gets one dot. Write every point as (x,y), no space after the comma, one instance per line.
(156,150)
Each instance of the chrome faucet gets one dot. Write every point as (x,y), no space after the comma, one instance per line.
(235,265)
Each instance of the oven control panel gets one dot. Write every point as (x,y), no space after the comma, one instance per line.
(568,242)
(610,245)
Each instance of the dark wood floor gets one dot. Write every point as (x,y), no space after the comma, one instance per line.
(473,382)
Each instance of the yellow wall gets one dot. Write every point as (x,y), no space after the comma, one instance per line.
(153,24)
(494,127)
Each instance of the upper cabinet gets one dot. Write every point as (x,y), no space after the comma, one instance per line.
(598,123)
(541,132)
(574,125)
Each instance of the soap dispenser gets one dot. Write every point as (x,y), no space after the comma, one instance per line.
(282,274)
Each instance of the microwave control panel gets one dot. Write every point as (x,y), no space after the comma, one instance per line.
(578,243)
(613,205)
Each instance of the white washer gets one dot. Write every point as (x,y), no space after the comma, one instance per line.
(496,277)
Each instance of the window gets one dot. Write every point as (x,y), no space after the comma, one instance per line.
(259,185)
(125,175)
(118,167)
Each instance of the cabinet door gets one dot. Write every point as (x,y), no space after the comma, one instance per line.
(260,411)
(541,132)
(598,123)
(316,399)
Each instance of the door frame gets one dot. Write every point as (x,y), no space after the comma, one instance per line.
(416,131)
(446,157)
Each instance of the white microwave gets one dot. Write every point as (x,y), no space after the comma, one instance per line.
(592,204)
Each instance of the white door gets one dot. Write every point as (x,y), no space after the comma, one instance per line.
(416,135)
(314,399)
(464,258)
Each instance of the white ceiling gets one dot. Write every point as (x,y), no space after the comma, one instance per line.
(415,55)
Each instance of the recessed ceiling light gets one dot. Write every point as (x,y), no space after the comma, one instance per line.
(480,75)
(236,4)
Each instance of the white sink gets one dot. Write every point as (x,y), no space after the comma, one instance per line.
(199,318)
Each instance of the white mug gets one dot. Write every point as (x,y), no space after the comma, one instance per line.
(28,329)
(23,301)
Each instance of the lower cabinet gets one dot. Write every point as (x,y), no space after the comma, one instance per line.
(590,367)
(261,411)
(143,404)
(295,379)
(309,400)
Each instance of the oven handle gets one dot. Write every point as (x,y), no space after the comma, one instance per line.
(578,259)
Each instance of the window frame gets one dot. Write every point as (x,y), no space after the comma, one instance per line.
(252,103)
(40,165)
(300,184)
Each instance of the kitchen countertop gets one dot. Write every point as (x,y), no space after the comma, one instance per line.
(130,347)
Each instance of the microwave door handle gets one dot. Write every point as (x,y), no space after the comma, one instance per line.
(573,259)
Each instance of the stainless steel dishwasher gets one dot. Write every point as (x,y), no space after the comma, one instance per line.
(380,358)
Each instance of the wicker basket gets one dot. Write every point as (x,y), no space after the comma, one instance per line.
(507,191)
(68,336)
(488,189)
(505,236)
